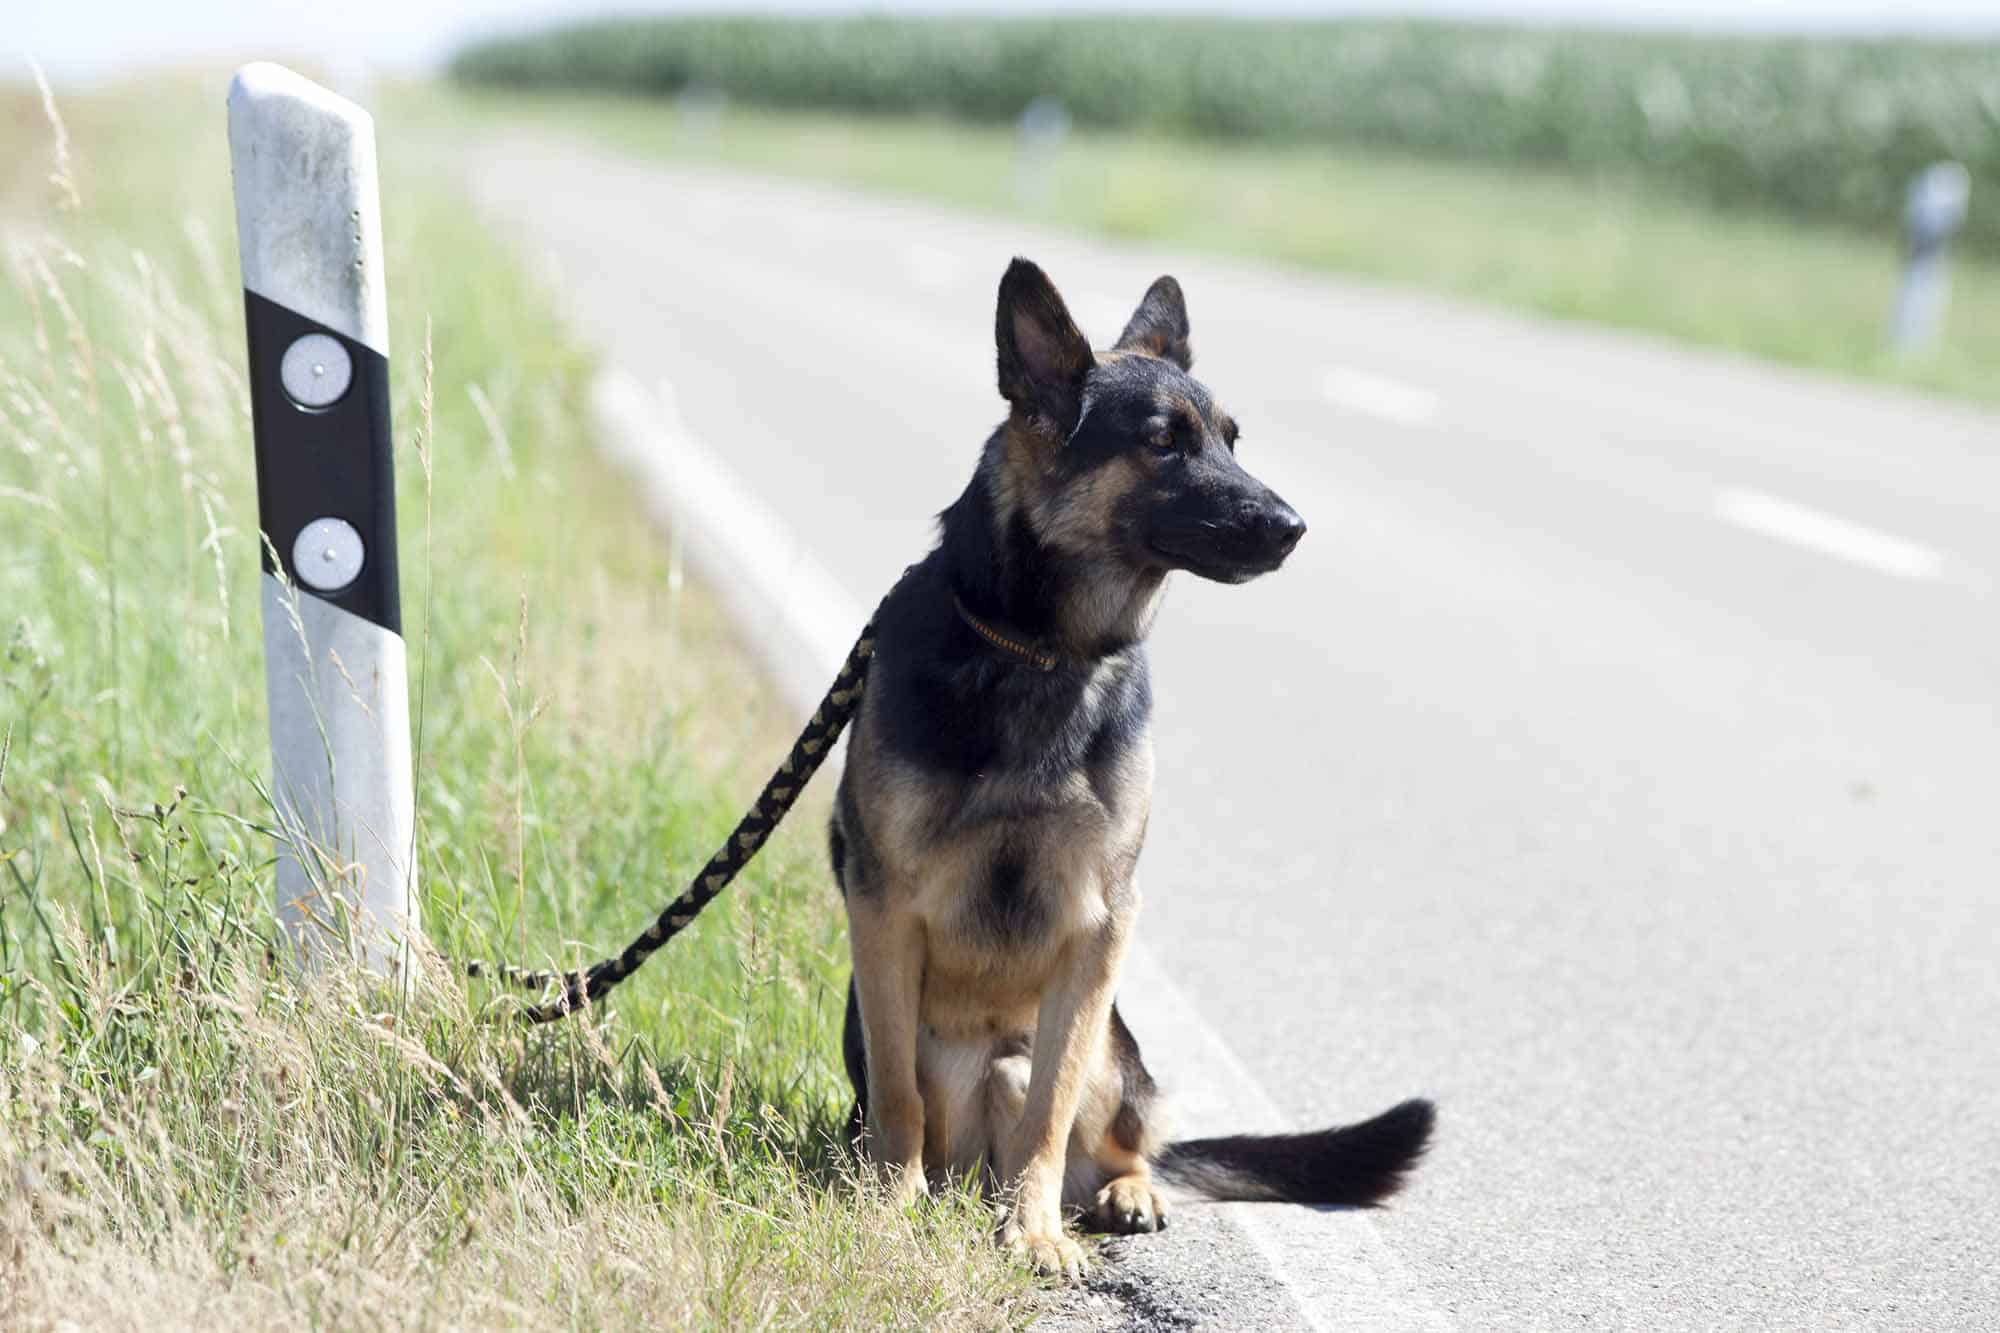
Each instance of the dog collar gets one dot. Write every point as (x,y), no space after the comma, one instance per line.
(1019,647)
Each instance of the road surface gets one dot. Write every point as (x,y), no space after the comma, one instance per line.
(1617,761)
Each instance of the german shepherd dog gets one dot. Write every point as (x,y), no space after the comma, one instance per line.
(996,793)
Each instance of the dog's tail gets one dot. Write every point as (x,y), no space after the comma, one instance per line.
(1359,1165)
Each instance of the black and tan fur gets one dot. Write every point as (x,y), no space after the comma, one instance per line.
(992,811)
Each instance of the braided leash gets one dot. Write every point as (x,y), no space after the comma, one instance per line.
(769,809)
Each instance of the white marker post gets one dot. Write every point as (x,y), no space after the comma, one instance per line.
(1932,215)
(309,230)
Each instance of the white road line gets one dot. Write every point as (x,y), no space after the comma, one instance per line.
(1828,534)
(1379,396)
(797,616)
(1338,1267)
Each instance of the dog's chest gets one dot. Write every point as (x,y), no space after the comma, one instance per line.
(1036,860)
(1007,820)
(1003,894)
(1009,864)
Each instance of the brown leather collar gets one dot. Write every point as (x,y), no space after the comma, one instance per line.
(1018,646)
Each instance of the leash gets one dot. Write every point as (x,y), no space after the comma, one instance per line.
(809,751)
(581,988)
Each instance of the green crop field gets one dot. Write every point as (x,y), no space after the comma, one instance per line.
(1813,128)
(194,1136)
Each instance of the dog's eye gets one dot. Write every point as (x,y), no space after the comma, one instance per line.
(1161,438)
(1229,435)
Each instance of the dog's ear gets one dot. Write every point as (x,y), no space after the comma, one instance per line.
(1043,358)
(1159,327)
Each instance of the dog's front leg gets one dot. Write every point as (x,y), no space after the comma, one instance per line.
(888,950)
(1070,1028)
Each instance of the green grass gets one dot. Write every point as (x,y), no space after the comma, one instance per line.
(191,1135)
(1606,251)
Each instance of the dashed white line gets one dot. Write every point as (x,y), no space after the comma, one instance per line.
(1379,396)
(1828,534)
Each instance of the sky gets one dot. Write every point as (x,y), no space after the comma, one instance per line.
(86,39)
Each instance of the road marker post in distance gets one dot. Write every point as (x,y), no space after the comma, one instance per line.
(1042,129)
(1933,213)
(308,223)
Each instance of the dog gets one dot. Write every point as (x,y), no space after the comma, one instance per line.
(998,781)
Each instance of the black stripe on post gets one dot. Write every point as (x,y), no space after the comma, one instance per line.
(324,462)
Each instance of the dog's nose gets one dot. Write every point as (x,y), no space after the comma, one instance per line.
(1282,528)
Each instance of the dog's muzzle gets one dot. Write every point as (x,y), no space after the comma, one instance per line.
(1254,540)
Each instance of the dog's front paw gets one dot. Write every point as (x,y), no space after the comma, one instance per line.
(1051,1253)
(905,1183)
(1127,1206)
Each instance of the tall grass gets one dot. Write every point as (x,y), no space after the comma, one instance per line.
(1819,128)
(194,1136)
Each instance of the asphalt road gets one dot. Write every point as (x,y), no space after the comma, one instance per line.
(1617,761)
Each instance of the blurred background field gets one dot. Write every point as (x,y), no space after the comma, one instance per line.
(1741,192)
(1817,128)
